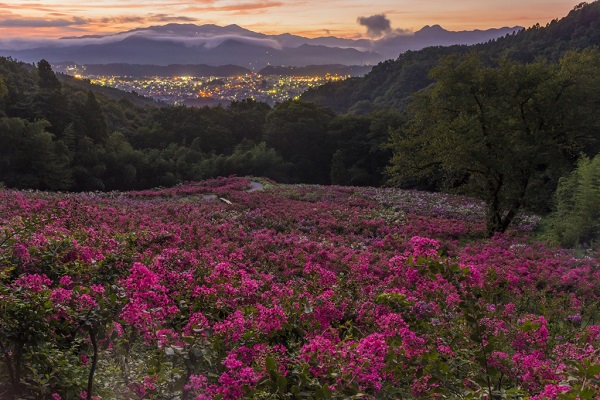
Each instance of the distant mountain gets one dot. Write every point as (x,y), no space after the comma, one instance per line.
(392,83)
(316,70)
(435,35)
(215,45)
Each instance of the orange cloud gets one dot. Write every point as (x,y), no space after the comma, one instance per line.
(40,23)
(237,8)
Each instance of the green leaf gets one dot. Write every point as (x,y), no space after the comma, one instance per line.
(270,364)
(592,371)
(282,383)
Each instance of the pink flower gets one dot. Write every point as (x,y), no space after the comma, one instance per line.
(66,281)
(424,246)
(33,282)
(22,252)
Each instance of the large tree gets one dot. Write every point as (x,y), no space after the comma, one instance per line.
(298,131)
(503,130)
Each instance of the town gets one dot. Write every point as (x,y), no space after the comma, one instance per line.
(213,90)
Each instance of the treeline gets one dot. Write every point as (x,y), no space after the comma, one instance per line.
(391,83)
(58,136)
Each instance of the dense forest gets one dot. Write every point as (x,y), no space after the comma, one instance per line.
(61,134)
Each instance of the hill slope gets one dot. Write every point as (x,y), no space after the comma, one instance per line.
(291,292)
(390,84)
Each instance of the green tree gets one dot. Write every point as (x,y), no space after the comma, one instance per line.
(339,172)
(92,117)
(3,88)
(576,219)
(49,102)
(503,132)
(257,160)
(47,78)
(88,165)
(31,158)
(298,131)
(247,119)
(3,93)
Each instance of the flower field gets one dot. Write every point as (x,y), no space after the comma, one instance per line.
(294,292)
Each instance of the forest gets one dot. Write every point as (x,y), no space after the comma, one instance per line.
(64,136)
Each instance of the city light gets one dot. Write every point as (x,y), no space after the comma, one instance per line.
(270,89)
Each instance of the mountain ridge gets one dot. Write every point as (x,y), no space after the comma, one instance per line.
(391,84)
(199,44)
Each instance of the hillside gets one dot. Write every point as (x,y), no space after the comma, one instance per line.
(290,292)
(108,92)
(391,83)
(62,133)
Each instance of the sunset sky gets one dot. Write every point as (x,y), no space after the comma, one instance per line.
(57,18)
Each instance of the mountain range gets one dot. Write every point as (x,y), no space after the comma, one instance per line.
(391,84)
(232,44)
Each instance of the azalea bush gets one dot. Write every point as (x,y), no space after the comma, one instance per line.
(295,292)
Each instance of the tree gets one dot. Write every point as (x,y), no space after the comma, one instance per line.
(47,78)
(298,131)
(3,88)
(504,131)
(49,102)
(247,118)
(30,158)
(576,218)
(93,119)
(339,173)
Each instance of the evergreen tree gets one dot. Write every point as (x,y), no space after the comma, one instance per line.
(339,172)
(47,79)
(94,125)
(3,88)
(50,103)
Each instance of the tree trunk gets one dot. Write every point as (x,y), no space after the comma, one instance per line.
(493,222)
(94,362)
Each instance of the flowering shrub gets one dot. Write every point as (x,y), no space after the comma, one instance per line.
(293,292)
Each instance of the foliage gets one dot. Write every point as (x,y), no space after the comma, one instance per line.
(295,292)
(576,219)
(504,132)
(107,144)
(3,88)
(292,128)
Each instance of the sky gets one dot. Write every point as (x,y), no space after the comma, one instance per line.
(48,19)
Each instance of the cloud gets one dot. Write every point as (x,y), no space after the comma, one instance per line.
(169,18)
(209,41)
(139,20)
(377,25)
(243,8)
(41,23)
(119,20)
(190,40)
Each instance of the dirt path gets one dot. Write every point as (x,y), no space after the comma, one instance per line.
(255,186)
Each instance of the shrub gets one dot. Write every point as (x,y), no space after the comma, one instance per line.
(576,219)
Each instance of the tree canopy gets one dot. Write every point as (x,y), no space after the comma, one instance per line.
(502,130)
